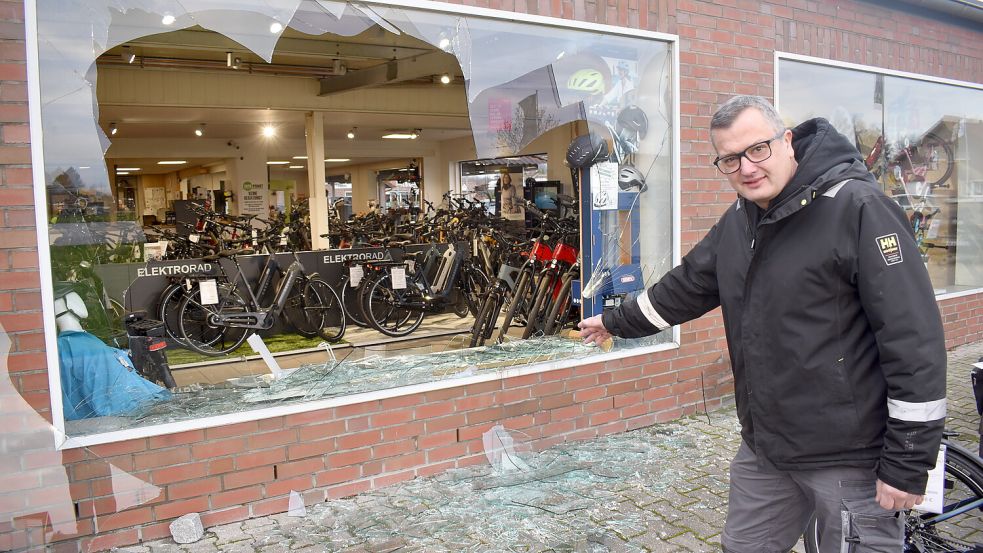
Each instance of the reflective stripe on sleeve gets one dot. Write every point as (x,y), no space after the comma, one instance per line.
(916,412)
(645,304)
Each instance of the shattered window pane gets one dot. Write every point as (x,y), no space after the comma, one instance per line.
(528,88)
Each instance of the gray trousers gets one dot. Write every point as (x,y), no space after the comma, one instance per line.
(770,508)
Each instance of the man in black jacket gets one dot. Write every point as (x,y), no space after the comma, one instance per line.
(835,338)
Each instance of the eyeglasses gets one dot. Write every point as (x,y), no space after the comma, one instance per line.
(755,153)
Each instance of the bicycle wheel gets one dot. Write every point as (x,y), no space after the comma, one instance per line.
(517,303)
(198,328)
(474,285)
(388,309)
(349,300)
(936,156)
(544,295)
(168,310)
(560,309)
(484,322)
(327,308)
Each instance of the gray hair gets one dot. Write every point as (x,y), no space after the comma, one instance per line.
(727,113)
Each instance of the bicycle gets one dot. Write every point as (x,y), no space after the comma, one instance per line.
(962,510)
(216,321)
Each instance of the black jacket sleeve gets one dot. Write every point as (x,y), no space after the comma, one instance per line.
(683,294)
(899,303)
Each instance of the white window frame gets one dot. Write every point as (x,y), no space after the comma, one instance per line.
(44,252)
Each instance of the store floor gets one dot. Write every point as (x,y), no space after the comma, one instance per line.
(438,333)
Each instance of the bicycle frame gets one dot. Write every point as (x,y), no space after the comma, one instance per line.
(264,317)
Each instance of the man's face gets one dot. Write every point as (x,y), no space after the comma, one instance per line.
(758,182)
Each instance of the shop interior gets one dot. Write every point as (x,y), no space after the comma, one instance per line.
(217,264)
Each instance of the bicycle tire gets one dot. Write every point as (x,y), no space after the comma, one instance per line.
(474,285)
(544,294)
(167,311)
(334,321)
(200,333)
(963,476)
(516,303)
(560,308)
(484,322)
(386,315)
(349,300)
(941,168)
(300,310)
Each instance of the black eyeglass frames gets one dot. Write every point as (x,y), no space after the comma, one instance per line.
(755,153)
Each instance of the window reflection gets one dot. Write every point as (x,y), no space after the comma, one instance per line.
(915,136)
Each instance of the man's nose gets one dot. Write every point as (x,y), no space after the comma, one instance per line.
(747,166)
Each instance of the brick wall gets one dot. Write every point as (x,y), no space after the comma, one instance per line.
(234,472)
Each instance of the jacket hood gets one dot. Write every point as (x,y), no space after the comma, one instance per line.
(825,156)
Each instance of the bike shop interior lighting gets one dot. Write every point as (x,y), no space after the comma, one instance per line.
(408,135)
(276,27)
(200,130)
(122,172)
(127,169)
(336,160)
(168,19)
(174,162)
(351,133)
(278,163)
(296,167)
(128,55)
(445,78)
(112,129)
(228,59)
(300,157)
(269,131)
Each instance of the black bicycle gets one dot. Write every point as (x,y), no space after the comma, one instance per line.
(962,513)
(215,319)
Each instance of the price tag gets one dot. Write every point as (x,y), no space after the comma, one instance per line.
(933,229)
(283,239)
(934,500)
(411,265)
(399,278)
(209,292)
(255,234)
(193,238)
(187,284)
(355,274)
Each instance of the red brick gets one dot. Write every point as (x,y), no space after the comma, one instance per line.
(179,473)
(335,476)
(162,458)
(320,431)
(346,458)
(271,439)
(394,433)
(297,483)
(270,506)
(405,461)
(390,479)
(216,518)
(394,448)
(221,465)
(306,466)
(125,519)
(361,439)
(174,509)
(348,490)
(11,280)
(249,477)
(434,410)
(219,447)
(236,497)
(446,452)
(260,458)
(391,418)
(310,449)
(105,542)
(16,134)
(203,486)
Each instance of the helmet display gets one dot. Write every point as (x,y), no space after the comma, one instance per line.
(632,121)
(590,81)
(629,177)
(586,150)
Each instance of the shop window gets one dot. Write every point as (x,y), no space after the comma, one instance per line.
(211,277)
(917,136)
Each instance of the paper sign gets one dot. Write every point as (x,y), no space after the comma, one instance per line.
(209,292)
(193,238)
(604,185)
(399,278)
(934,499)
(355,274)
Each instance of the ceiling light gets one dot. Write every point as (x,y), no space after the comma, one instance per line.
(168,19)
(336,159)
(122,173)
(228,59)
(444,43)
(278,163)
(200,130)
(351,133)
(112,129)
(415,133)
(127,169)
(276,27)
(236,62)
(300,157)
(269,131)
(128,55)
(175,162)
(445,78)
(85,167)
(399,136)
(296,166)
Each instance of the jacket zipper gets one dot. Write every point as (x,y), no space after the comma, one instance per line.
(747,223)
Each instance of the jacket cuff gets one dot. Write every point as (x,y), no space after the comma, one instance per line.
(904,480)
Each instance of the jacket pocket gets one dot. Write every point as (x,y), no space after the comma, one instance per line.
(868,528)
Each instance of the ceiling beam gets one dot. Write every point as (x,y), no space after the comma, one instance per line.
(393,71)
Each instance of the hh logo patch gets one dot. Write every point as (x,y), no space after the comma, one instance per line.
(890,249)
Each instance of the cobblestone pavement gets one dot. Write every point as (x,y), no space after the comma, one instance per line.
(661,488)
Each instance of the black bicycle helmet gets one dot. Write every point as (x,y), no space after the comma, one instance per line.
(632,120)
(629,177)
(586,150)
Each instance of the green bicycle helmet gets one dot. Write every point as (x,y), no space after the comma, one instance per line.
(590,81)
